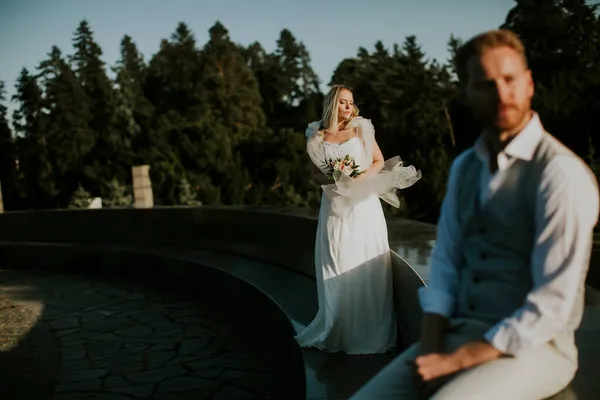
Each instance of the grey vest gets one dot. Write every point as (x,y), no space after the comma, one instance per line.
(498,238)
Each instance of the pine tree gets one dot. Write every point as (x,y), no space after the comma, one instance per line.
(231,86)
(68,139)
(453,45)
(288,85)
(7,157)
(118,195)
(80,198)
(187,195)
(174,81)
(36,179)
(265,69)
(110,156)
(181,111)
(236,116)
(133,110)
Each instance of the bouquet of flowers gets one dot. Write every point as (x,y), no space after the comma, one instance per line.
(343,166)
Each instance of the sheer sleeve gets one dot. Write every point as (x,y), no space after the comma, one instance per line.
(366,133)
(346,192)
(314,146)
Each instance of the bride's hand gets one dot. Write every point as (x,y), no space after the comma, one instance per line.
(360,177)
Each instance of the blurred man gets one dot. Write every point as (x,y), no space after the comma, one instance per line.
(507,282)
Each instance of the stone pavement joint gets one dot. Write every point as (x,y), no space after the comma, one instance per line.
(118,341)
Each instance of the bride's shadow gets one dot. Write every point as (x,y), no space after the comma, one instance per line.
(339,375)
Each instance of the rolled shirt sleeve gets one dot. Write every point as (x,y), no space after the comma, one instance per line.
(566,212)
(439,297)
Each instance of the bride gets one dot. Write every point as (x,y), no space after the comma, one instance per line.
(352,255)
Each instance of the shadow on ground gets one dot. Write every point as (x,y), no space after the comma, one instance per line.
(82,337)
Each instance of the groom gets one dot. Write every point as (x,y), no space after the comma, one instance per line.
(506,289)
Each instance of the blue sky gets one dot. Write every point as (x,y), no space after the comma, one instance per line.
(330,30)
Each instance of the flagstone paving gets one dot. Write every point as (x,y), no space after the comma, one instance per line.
(69,337)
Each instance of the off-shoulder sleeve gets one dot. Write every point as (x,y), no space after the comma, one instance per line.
(366,132)
(314,146)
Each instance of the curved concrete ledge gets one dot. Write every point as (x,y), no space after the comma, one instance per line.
(228,239)
(264,234)
(281,236)
(215,236)
(267,233)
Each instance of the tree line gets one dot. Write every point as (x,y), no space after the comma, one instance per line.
(224,123)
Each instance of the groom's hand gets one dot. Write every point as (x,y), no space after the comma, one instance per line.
(433,341)
(471,354)
(434,370)
(435,367)
(427,389)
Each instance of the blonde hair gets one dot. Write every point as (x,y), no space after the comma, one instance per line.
(330,116)
(483,42)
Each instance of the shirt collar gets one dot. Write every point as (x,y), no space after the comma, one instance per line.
(522,146)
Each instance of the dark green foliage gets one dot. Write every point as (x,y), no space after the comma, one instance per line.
(80,198)
(562,40)
(8,157)
(224,124)
(119,196)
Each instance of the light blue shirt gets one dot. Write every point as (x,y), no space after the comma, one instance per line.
(566,211)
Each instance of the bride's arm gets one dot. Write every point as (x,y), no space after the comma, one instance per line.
(319,177)
(314,148)
(377,165)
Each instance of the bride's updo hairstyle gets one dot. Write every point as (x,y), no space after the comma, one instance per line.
(329,119)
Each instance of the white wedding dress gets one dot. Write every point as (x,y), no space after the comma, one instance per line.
(353,265)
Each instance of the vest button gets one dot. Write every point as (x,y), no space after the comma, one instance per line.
(481,230)
(476,279)
(483,255)
(471,307)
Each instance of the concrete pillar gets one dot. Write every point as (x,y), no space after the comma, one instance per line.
(142,187)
